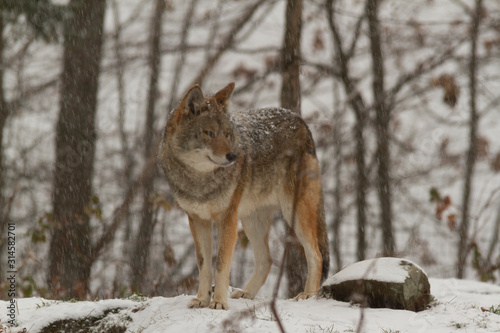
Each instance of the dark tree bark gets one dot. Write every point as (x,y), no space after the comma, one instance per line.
(463,244)
(290,57)
(141,253)
(361,176)
(382,119)
(70,246)
(296,267)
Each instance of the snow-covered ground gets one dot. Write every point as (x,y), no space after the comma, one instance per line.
(461,306)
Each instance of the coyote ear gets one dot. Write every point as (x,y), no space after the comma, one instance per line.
(223,95)
(193,101)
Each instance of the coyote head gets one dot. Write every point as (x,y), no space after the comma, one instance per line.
(199,131)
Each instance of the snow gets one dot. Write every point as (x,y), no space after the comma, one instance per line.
(379,269)
(36,313)
(460,304)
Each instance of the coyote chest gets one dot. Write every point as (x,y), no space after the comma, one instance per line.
(265,144)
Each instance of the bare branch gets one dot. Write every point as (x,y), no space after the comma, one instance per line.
(227,42)
(29,92)
(182,56)
(355,38)
(215,28)
(121,211)
(423,67)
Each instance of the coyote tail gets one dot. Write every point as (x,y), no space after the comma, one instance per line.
(323,241)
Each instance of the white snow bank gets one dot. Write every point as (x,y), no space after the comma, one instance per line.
(460,306)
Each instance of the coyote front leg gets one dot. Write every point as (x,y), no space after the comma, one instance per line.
(202,234)
(227,231)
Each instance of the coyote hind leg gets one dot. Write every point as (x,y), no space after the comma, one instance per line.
(256,228)
(307,219)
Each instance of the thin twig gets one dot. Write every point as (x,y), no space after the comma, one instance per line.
(363,304)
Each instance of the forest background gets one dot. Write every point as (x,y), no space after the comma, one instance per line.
(402,99)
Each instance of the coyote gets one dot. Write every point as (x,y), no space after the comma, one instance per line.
(223,165)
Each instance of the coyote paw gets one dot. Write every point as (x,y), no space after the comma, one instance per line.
(304,295)
(218,305)
(196,303)
(240,293)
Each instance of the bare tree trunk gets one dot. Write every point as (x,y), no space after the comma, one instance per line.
(70,246)
(141,254)
(361,184)
(126,154)
(358,106)
(290,57)
(337,195)
(382,128)
(296,271)
(463,244)
(125,151)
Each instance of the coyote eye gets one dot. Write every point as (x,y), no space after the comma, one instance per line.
(209,133)
(228,136)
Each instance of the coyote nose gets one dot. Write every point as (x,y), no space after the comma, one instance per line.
(231,157)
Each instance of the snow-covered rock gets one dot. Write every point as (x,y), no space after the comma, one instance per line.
(380,283)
